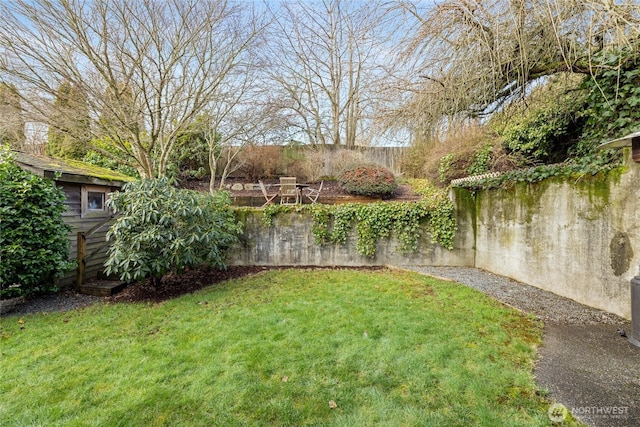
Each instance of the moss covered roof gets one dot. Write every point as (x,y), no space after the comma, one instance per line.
(71,170)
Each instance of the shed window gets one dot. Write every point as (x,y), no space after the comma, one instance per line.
(94,201)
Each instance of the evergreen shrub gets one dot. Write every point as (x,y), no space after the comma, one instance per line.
(34,243)
(163,229)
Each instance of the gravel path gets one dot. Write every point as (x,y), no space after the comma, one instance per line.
(61,301)
(547,306)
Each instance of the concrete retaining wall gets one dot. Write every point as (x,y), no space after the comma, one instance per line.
(290,242)
(579,239)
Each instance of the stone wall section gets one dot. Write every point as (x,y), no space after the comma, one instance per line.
(290,242)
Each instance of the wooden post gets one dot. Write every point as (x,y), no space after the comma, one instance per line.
(81,253)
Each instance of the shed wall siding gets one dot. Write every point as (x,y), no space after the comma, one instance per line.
(72,198)
(96,242)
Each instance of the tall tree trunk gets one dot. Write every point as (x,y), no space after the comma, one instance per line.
(212,170)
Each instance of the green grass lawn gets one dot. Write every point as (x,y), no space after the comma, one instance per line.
(389,348)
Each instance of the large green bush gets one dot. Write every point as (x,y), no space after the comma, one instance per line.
(568,117)
(546,134)
(34,244)
(162,229)
(367,180)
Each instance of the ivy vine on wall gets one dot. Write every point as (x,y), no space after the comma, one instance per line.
(373,221)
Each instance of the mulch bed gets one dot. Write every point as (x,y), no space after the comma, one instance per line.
(174,285)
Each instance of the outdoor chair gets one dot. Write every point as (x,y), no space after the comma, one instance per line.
(289,194)
(268,197)
(313,194)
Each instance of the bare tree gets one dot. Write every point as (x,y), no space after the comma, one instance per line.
(148,66)
(235,120)
(467,57)
(325,60)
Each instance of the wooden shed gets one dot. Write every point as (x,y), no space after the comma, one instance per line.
(87,189)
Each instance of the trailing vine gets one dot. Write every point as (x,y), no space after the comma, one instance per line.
(321,218)
(274,209)
(441,215)
(373,221)
(577,168)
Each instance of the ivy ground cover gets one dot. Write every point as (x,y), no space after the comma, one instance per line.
(283,347)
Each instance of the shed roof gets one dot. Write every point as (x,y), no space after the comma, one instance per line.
(70,170)
(625,141)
